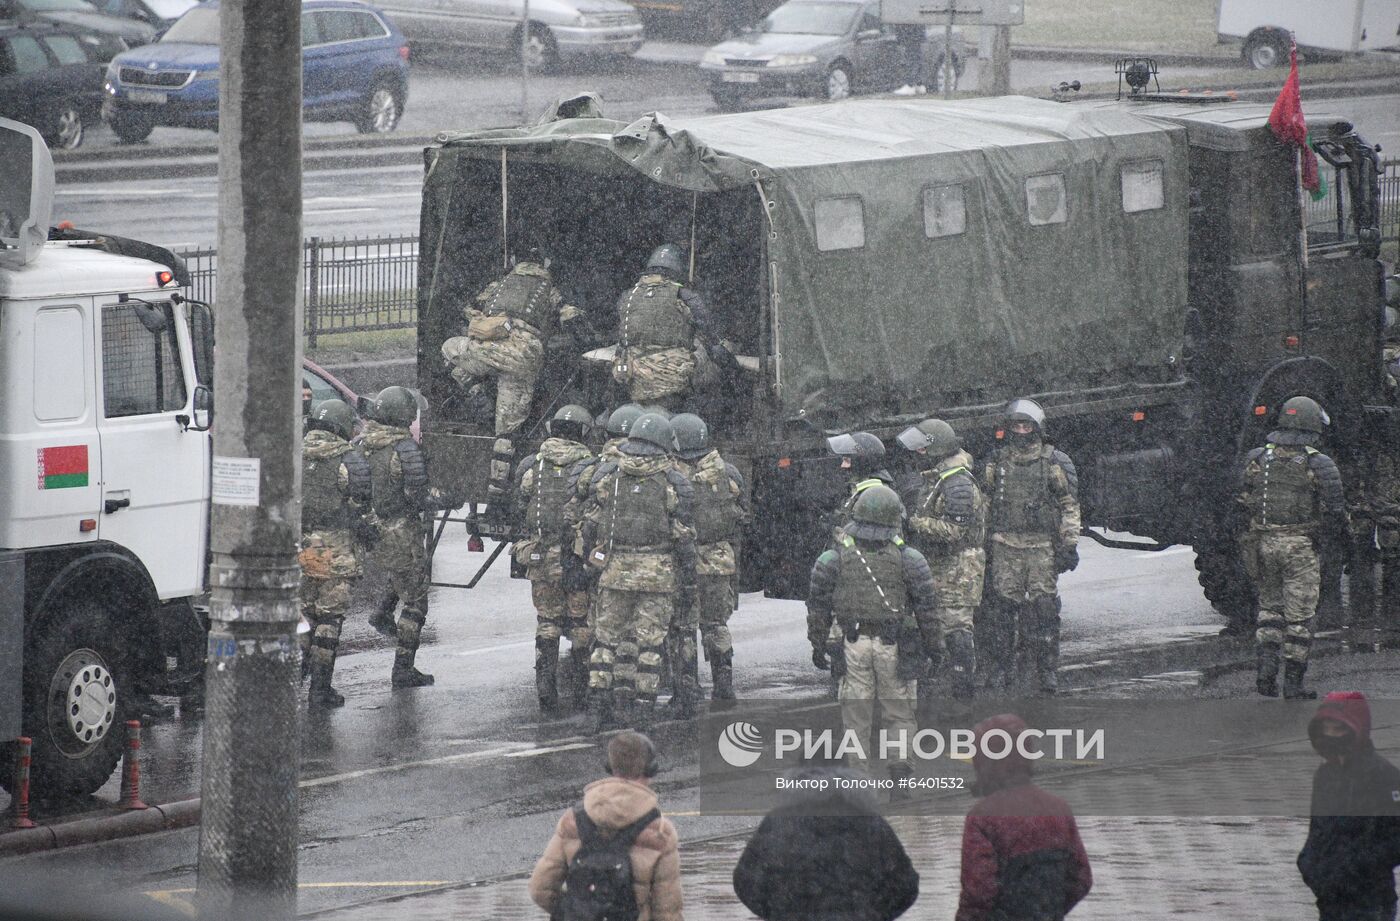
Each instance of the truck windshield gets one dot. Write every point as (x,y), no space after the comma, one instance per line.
(811,18)
(200,26)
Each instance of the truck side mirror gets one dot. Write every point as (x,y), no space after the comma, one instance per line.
(202,335)
(203,409)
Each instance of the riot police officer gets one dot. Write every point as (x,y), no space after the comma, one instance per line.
(1293,496)
(558,585)
(948,524)
(638,533)
(863,459)
(720,506)
(335,500)
(401,496)
(879,594)
(1033,493)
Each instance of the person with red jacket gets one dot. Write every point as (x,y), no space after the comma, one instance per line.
(1353,841)
(1022,858)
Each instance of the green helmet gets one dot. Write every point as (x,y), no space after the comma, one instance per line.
(1302,414)
(657,408)
(334,416)
(692,435)
(573,414)
(667,259)
(933,436)
(620,422)
(654,431)
(395,406)
(877,514)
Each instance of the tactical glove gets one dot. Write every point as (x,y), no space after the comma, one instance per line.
(365,532)
(819,658)
(1066,559)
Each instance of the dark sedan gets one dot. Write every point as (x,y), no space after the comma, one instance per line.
(110,34)
(50,79)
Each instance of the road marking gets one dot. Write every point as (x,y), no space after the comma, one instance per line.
(175,898)
(1158,554)
(504,646)
(535,752)
(336,210)
(170,899)
(406,765)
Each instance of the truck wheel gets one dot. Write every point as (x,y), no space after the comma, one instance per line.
(1227,587)
(541,51)
(1266,48)
(75,695)
(66,129)
(838,81)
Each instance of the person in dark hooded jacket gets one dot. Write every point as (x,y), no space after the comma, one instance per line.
(826,856)
(1353,841)
(1022,858)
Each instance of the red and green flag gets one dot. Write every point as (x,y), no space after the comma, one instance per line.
(63,467)
(1287,123)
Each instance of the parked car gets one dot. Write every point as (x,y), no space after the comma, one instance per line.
(703,20)
(354,68)
(50,79)
(558,28)
(110,34)
(825,48)
(326,386)
(159,13)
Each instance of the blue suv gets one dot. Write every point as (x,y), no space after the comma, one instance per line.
(354,68)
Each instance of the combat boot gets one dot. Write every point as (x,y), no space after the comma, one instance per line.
(600,711)
(1293,689)
(382,618)
(322,694)
(579,657)
(962,662)
(624,708)
(722,675)
(547,673)
(1266,678)
(410,630)
(1045,646)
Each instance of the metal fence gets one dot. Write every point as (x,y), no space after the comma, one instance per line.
(1323,212)
(352,284)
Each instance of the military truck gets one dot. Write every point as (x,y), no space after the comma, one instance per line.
(104,480)
(1142,266)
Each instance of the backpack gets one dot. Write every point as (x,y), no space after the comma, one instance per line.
(598,884)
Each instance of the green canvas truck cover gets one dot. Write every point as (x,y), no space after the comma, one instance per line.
(922,253)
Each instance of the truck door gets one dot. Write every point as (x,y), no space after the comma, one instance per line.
(155,484)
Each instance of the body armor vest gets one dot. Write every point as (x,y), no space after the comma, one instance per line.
(323,506)
(544,515)
(953,488)
(1021,502)
(390,498)
(638,516)
(1287,489)
(654,316)
(715,508)
(870,587)
(525,298)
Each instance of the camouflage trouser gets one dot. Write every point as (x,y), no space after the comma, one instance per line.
(402,556)
(1021,574)
(629,638)
(957,578)
(1019,625)
(655,377)
(324,604)
(560,613)
(715,601)
(871,675)
(514,363)
(1285,572)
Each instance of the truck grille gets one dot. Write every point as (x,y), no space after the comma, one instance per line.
(135,76)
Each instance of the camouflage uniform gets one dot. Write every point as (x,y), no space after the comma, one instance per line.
(335,494)
(401,496)
(1292,493)
(639,518)
(1033,509)
(949,526)
(561,601)
(1383,505)
(879,595)
(656,339)
(720,504)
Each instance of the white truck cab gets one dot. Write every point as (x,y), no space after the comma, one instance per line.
(104,479)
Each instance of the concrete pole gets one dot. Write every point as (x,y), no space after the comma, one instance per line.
(1001,61)
(248,834)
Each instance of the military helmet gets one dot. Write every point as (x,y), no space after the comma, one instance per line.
(692,435)
(334,416)
(667,259)
(1023,410)
(572,414)
(395,406)
(657,408)
(1302,414)
(1392,323)
(857,444)
(654,431)
(1392,290)
(620,422)
(933,436)
(877,514)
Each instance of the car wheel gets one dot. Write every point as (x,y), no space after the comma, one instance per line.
(838,81)
(66,132)
(132,129)
(935,75)
(76,692)
(725,102)
(382,111)
(541,51)
(1266,48)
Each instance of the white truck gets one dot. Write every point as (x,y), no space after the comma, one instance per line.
(104,479)
(1326,26)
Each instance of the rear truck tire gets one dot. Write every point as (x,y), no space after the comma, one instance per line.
(66,129)
(541,50)
(839,81)
(77,691)
(1265,48)
(1221,573)
(132,129)
(381,110)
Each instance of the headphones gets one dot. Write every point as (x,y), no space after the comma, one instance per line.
(652,767)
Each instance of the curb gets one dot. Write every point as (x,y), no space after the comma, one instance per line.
(108,826)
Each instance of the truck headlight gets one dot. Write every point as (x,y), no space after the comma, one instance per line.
(113,70)
(792,60)
(713,59)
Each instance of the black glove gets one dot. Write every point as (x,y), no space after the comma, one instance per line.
(365,532)
(576,575)
(723,357)
(1066,559)
(685,599)
(819,658)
